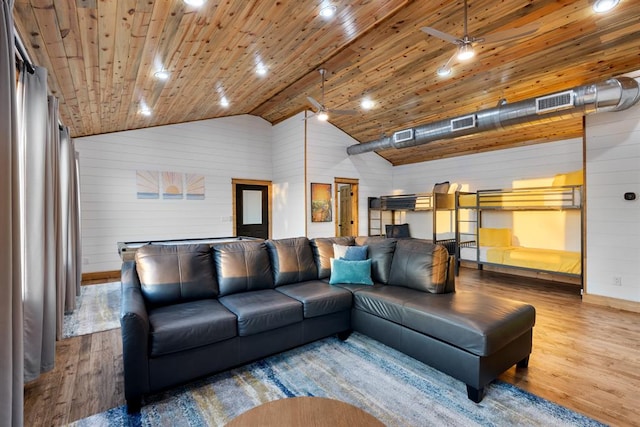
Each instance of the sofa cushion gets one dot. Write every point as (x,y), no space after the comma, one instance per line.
(291,260)
(172,274)
(384,301)
(480,324)
(263,310)
(420,265)
(380,251)
(356,272)
(189,325)
(242,266)
(318,298)
(322,248)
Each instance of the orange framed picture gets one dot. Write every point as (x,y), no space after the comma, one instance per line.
(320,202)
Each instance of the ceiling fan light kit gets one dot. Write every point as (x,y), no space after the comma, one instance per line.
(466,43)
(465,52)
(322,112)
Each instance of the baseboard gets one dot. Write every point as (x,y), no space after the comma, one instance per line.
(620,304)
(100,277)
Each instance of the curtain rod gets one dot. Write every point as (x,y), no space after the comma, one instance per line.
(22,52)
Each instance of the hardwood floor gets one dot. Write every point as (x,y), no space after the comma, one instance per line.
(585,357)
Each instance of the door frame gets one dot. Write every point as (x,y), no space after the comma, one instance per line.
(354,203)
(239,181)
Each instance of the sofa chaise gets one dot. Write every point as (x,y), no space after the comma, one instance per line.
(192,310)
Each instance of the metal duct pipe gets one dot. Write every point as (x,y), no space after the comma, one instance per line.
(612,95)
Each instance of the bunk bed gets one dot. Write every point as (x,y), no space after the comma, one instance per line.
(495,245)
(383,210)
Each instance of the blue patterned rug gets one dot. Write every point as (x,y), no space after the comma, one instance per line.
(97,309)
(391,386)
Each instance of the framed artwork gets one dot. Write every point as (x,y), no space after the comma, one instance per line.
(148,184)
(320,202)
(195,186)
(171,185)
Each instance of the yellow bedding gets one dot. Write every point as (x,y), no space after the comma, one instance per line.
(537,259)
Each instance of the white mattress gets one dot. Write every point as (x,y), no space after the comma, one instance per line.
(470,254)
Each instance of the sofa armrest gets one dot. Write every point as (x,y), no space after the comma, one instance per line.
(134,322)
(451,276)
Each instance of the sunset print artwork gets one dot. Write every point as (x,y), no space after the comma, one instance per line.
(148,184)
(195,186)
(171,185)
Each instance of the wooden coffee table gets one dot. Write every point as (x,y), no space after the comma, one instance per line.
(305,411)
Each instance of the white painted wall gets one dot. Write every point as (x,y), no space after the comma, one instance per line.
(220,149)
(327,159)
(613,227)
(288,178)
(530,166)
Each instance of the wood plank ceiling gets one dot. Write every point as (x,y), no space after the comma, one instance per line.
(102,54)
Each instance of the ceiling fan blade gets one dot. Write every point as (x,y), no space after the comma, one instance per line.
(315,103)
(343,112)
(439,34)
(514,33)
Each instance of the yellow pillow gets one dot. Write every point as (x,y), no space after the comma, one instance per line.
(495,237)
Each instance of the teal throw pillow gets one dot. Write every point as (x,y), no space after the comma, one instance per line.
(353,272)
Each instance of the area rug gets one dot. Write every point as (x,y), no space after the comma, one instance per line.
(97,309)
(393,387)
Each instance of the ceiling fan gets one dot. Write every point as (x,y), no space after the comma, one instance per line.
(322,112)
(466,42)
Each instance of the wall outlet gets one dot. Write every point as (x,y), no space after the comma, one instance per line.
(617,280)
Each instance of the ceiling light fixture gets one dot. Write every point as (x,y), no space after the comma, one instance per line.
(367,104)
(194,3)
(328,11)
(465,52)
(603,6)
(145,111)
(323,116)
(161,74)
(224,101)
(443,71)
(261,70)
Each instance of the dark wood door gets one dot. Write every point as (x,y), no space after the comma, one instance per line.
(252,210)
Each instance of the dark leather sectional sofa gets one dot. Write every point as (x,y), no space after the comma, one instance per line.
(191,310)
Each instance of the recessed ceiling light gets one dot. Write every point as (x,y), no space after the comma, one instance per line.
(161,74)
(195,3)
(602,6)
(328,11)
(261,70)
(367,104)
(145,111)
(224,101)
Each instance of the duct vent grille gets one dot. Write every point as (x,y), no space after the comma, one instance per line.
(557,101)
(403,135)
(465,122)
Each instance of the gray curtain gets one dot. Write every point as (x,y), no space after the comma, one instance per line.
(69,242)
(38,233)
(11,356)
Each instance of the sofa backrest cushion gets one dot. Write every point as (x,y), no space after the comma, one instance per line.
(242,267)
(420,265)
(322,248)
(291,260)
(171,274)
(380,251)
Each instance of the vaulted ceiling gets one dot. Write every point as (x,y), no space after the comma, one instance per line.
(102,54)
